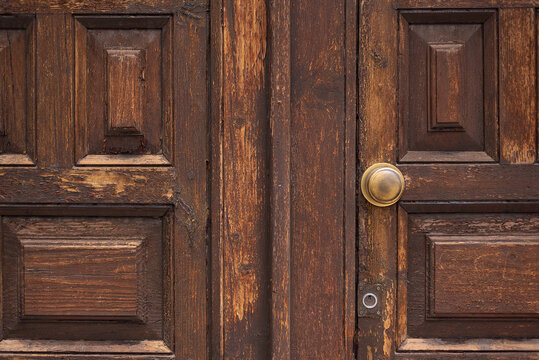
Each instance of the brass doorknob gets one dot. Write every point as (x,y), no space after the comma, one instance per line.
(382,184)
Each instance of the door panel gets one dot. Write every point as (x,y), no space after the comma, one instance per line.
(104,148)
(455,261)
(17,79)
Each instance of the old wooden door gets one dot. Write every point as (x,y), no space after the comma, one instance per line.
(181,179)
(103,142)
(448,93)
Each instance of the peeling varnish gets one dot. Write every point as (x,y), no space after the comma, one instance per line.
(99,180)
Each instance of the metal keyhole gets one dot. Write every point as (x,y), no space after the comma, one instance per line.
(370,300)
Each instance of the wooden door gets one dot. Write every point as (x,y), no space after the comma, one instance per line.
(103,178)
(448,93)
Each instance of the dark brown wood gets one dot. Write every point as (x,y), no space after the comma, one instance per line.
(482,4)
(58,269)
(102,185)
(464,235)
(245,265)
(216,337)
(190,144)
(470,182)
(280,178)
(518,82)
(446,73)
(377,142)
(11,356)
(318,95)
(350,173)
(123,77)
(17,83)
(104,262)
(96,6)
(54,114)
(495,272)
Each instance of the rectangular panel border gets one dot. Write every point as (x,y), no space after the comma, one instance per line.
(488,20)
(82,23)
(159,349)
(404,343)
(28,24)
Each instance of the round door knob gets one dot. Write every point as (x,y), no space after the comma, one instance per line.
(382,184)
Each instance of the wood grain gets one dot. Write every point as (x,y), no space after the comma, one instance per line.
(447,86)
(318,95)
(105,286)
(470,182)
(90,185)
(191,147)
(17,84)
(58,269)
(54,90)
(495,272)
(171,111)
(246,266)
(100,6)
(350,177)
(518,113)
(280,205)
(439,306)
(123,89)
(377,142)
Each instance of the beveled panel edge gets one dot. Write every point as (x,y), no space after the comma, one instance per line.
(124,160)
(447,345)
(76,347)
(433,239)
(16,160)
(446,157)
(79,210)
(108,22)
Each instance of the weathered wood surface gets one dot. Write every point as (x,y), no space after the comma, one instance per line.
(518,82)
(377,70)
(476,196)
(168,182)
(318,96)
(244,267)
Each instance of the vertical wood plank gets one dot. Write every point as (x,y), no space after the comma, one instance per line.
(280,177)
(245,237)
(377,143)
(517,86)
(55,90)
(217,196)
(350,177)
(318,97)
(191,156)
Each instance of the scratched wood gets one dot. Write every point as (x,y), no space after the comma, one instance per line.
(455,204)
(518,115)
(280,206)
(245,264)
(191,156)
(124,192)
(377,143)
(318,96)
(54,90)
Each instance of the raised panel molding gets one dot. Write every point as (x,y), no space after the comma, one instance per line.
(446,96)
(99,273)
(466,272)
(448,86)
(483,276)
(107,279)
(123,90)
(17,87)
